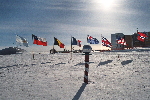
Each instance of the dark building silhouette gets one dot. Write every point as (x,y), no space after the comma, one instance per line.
(129,41)
(11,50)
(137,43)
(147,39)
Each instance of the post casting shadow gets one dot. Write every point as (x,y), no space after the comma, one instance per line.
(78,94)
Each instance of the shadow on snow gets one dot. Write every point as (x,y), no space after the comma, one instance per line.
(78,94)
(82,63)
(105,62)
(126,62)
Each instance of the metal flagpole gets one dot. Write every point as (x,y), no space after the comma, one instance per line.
(16,40)
(53,46)
(71,48)
(101,41)
(137,36)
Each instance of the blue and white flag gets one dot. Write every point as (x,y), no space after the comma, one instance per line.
(22,41)
(92,40)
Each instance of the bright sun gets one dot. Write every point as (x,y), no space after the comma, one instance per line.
(105,3)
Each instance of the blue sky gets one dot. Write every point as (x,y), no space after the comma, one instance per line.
(63,18)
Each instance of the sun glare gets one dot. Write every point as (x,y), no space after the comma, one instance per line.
(105,3)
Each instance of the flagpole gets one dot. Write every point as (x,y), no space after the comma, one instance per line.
(101,41)
(71,43)
(53,47)
(137,35)
(16,41)
(71,48)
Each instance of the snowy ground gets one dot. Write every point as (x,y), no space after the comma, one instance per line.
(112,76)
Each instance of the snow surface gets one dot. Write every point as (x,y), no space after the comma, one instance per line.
(112,76)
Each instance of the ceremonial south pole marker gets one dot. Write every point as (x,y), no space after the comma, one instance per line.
(86,49)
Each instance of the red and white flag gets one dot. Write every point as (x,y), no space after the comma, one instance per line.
(79,43)
(39,41)
(106,43)
(141,36)
(121,41)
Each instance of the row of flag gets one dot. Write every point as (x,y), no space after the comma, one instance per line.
(91,40)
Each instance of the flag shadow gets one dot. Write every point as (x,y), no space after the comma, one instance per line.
(8,66)
(79,64)
(60,63)
(105,62)
(126,62)
(82,63)
(78,94)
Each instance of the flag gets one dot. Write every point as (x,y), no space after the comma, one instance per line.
(92,40)
(121,41)
(57,42)
(141,36)
(39,40)
(106,43)
(75,42)
(79,43)
(21,40)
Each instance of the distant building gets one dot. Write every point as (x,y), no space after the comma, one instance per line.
(115,45)
(113,42)
(147,39)
(11,50)
(137,43)
(129,41)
